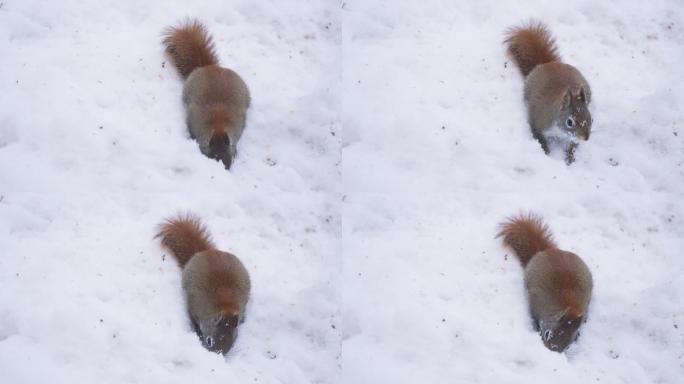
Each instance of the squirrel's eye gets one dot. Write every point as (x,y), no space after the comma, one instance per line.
(570,122)
(210,341)
(547,334)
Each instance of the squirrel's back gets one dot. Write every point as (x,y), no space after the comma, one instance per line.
(558,281)
(217,281)
(216,100)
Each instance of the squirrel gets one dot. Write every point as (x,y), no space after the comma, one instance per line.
(556,94)
(216,284)
(215,98)
(558,282)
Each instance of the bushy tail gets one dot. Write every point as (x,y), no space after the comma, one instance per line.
(526,235)
(184,236)
(530,45)
(189,46)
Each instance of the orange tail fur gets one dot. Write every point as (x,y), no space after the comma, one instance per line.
(184,236)
(189,46)
(526,235)
(530,45)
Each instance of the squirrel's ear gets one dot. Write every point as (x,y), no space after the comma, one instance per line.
(583,95)
(569,314)
(558,316)
(572,314)
(218,318)
(567,98)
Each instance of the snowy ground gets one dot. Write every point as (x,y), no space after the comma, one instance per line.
(94,153)
(385,142)
(437,152)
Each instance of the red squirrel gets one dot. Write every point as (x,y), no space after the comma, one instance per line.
(215,98)
(216,283)
(557,95)
(558,282)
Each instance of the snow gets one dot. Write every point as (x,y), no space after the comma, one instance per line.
(385,142)
(94,153)
(437,152)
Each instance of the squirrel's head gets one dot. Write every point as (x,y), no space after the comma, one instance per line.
(574,116)
(561,330)
(220,148)
(220,332)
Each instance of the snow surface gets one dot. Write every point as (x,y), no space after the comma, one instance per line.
(94,153)
(437,152)
(385,142)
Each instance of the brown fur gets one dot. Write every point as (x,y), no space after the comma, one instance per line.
(190,47)
(558,283)
(569,299)
(526,235)
(219,120)
(556,93)
(216,283)
(184,236)
(226,300)
(531,45)
(215,98)
(566,284)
